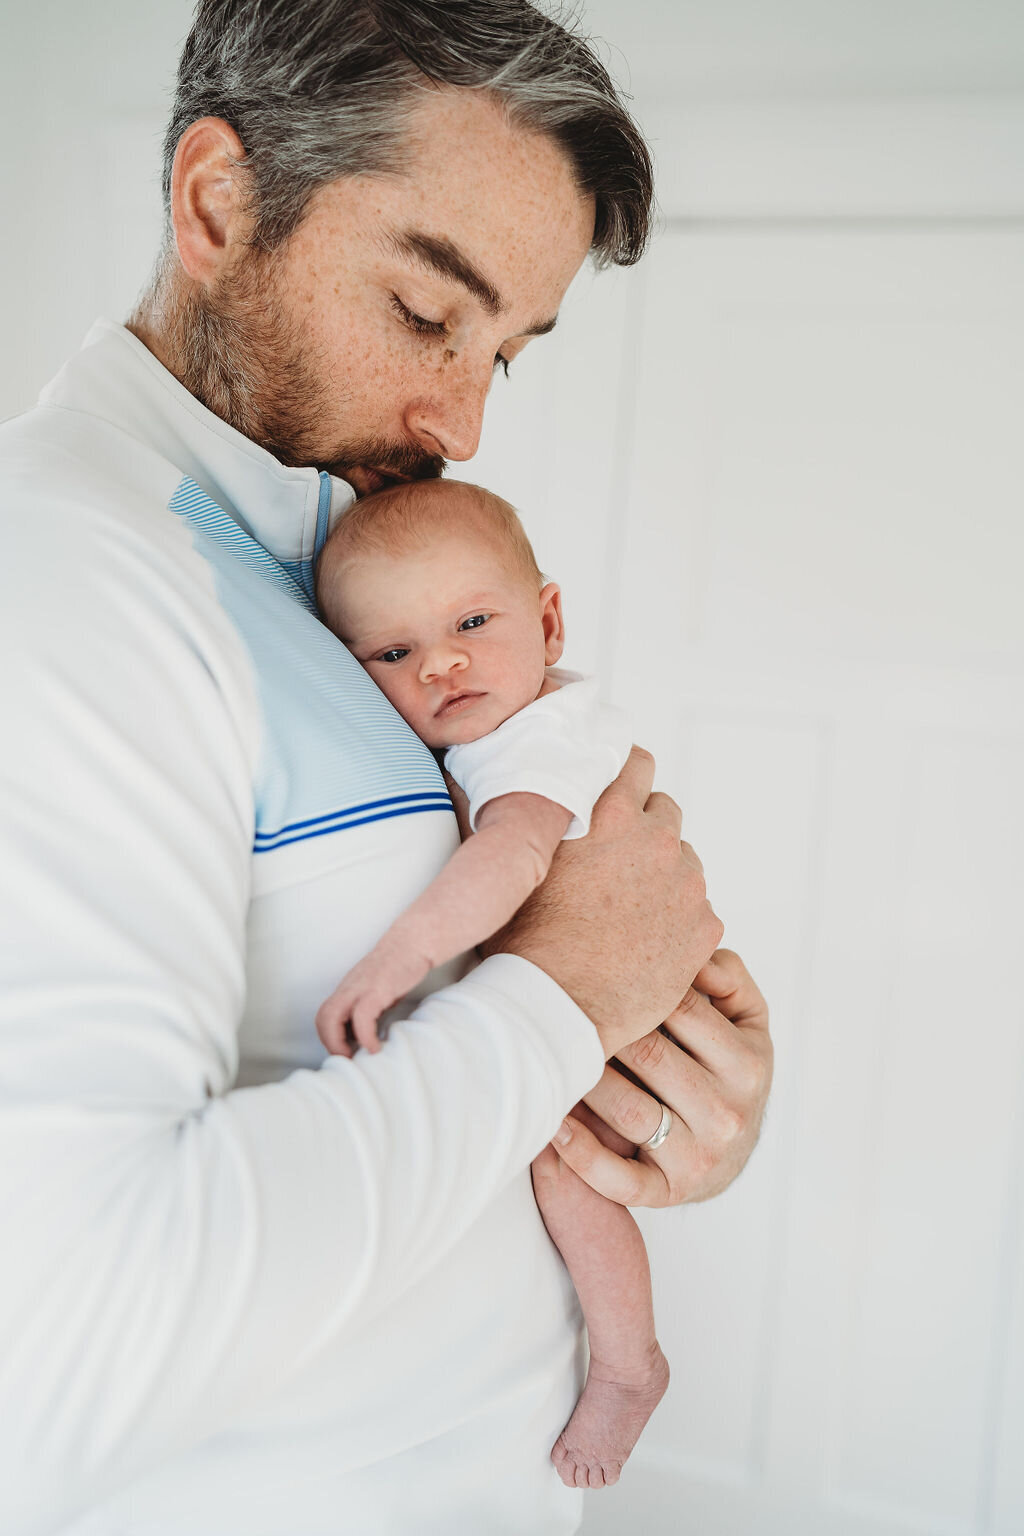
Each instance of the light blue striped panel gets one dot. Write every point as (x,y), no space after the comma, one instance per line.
(203,513)
(334,752)
(300,572)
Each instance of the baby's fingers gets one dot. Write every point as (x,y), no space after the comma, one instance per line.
(365,1013)
(332,1023)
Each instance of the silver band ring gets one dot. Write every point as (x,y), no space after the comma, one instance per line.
(656,1140)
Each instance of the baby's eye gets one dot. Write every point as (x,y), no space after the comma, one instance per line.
(475,622)
(395,654)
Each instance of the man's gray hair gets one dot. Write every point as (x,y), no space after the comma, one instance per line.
(318,89)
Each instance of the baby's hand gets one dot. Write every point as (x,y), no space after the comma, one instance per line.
(387,973)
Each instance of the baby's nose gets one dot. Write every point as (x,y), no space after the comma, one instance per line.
(442,659)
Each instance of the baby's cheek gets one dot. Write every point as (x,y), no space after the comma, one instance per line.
(409,706)
(524,680)
(388,683)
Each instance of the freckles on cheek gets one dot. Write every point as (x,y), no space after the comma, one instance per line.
(306,285)
(383,364)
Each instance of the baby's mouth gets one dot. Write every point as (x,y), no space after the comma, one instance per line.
(455,702)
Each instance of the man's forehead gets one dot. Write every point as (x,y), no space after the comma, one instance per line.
(479,191)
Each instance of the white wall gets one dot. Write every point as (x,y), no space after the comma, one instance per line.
(778,469)
(784,480)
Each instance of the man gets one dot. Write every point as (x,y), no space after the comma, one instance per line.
(246,1290)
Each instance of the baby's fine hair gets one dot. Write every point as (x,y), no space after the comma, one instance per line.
(409,517)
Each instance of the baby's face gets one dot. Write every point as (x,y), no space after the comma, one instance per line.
(456,642)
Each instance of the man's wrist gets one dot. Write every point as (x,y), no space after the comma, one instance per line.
(608,1021)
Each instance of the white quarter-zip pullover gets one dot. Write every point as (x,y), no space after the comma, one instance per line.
(244,1291)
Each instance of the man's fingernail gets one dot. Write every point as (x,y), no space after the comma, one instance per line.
(564,1133)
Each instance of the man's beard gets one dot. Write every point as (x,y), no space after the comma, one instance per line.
(237,351)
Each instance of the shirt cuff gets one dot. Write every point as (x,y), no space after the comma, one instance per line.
(531,992)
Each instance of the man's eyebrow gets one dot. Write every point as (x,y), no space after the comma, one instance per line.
(445,259)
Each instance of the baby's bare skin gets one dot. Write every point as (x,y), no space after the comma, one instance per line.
(627,1375)
(459,642)
(479,890)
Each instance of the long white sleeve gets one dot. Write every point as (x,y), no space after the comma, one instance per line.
(175,1249)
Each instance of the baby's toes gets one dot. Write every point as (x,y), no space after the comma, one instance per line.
(564,1462)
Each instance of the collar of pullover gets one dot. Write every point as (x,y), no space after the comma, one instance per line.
(116,378)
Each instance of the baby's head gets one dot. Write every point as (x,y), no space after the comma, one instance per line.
(434,588)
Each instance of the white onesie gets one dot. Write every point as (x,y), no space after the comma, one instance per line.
(566,746)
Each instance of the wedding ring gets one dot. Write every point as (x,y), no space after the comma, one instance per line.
(663,1129)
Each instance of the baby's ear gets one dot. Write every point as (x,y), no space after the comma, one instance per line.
(551,622)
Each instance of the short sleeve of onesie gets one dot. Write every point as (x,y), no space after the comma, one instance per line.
(567,746)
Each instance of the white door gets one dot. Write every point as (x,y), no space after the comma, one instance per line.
(781,473)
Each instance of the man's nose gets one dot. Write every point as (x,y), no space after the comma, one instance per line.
(448,421)
(440,660)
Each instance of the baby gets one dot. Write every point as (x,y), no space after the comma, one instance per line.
(434,588)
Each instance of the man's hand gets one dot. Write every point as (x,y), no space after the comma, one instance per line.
(711,1063)
(622,922)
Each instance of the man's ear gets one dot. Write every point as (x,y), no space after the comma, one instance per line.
(207,205)
(551,621)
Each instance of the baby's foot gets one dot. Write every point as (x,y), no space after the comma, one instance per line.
(607,1421)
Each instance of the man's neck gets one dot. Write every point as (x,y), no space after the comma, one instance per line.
(192,343)
(149,321)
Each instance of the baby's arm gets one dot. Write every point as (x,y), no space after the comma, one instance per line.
(483,884)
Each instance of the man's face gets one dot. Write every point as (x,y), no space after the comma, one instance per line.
(454,638)
(371,338)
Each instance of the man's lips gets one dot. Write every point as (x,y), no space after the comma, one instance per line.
(454,702)
(365,479)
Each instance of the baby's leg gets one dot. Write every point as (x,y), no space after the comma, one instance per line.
(628,1374)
